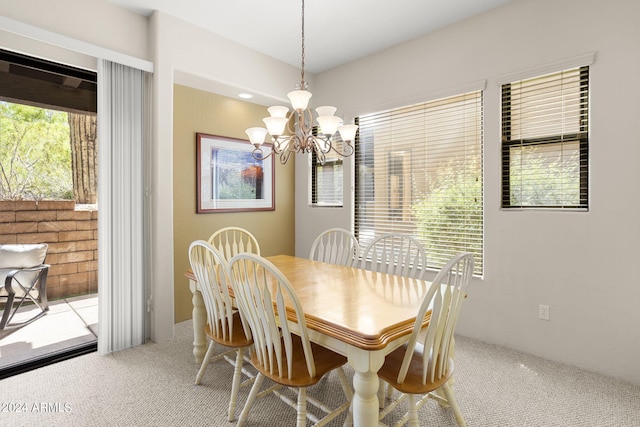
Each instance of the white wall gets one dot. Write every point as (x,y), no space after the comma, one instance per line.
(94,22)
(59,31)
(581,264)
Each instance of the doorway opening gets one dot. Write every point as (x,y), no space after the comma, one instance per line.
(48,194)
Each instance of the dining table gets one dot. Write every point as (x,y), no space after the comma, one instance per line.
(357,313)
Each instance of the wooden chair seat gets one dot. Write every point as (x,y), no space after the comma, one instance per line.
(237,339)
(325,361)
(413,382)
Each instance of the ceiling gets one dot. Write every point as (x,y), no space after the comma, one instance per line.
(336,31)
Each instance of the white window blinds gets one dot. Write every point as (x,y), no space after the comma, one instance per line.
(327,180)
(419,172)
(545,143)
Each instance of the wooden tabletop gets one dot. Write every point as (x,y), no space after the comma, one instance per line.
(356,306)
(359,307)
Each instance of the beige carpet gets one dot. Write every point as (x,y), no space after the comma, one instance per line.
(152,385)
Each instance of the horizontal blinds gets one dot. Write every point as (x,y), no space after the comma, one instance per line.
(419,172)
(545,141)
(327,179)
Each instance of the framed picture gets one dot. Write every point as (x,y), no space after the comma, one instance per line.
(229,179)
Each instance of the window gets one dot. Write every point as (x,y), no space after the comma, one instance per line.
(545,141)
(326,180)
(419,172)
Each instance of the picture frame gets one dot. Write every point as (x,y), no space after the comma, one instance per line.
(230,179)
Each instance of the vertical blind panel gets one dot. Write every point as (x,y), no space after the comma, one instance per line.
(545,140)
(121,116)
(419,172)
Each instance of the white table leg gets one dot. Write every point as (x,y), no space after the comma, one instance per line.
(365,399)
(365,384)
(199,319)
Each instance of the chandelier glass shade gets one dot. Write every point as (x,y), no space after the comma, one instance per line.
(305,136)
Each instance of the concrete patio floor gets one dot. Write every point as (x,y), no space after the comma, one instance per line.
(70,322)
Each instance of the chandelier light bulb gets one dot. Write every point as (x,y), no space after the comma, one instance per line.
(326,110)
(299,99)
(256,135)
(278,111)
(275,125)
(329,124)
(348,132)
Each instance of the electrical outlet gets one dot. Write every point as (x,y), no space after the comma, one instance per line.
(543,312)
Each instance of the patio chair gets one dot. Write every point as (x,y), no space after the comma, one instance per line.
(424,365)
(23,278)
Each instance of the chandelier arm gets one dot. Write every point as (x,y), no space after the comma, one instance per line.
(345,152)
(284,156)
(305,121)
(310,144)
(295,143)
(258,154)
(276,142)
(320,156)
(321,142)
(291,126)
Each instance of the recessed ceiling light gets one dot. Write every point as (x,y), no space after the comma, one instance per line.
(245,95)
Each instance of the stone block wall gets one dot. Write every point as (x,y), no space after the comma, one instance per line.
(72,235)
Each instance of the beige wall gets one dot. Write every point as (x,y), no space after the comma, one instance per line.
(199,111)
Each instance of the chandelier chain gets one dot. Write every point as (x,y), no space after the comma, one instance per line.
(302,82)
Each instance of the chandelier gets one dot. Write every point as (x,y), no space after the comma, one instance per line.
(303,138)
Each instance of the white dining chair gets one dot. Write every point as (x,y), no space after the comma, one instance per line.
(397,254)
(225,325)
(335,246)
(231,241)
(424,364)
(282,353)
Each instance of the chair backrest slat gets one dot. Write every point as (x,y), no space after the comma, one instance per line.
(335,246)
(443,302)
(262,292)
(396,254)
(230,241)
